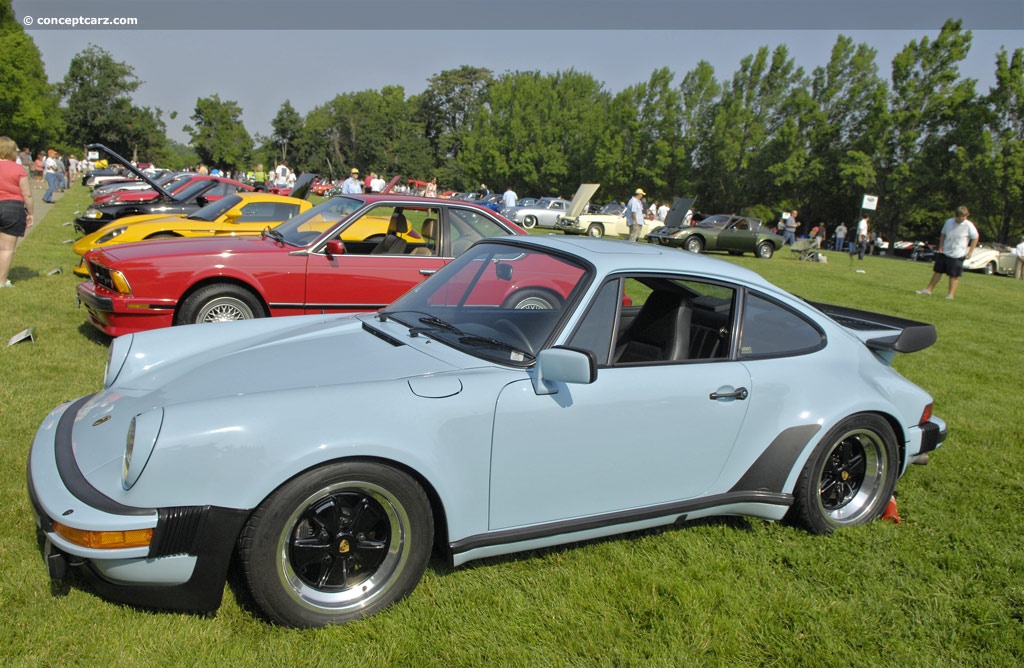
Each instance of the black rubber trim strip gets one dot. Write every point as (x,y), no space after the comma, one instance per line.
(74,479)
(611,519)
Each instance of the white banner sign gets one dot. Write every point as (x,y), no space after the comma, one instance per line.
(870,202)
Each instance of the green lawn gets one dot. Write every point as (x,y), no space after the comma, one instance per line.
(944,588)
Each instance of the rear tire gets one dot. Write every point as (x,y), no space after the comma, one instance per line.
(849,477)
(765,250)
(532,299)
(220,302)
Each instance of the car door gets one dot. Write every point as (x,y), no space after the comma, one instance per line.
(644,433)
(358,279)
(738,237)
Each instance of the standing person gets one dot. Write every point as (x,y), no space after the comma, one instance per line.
(957,241)
(432,187)
(25,158)
(635,215)
(861,239)
(484,191)
(351,186)
(281,175)
(510,198)
(789,232)
(377,183)
(841,237)
(16,206)
(663,211)
(52,172)
(1018,268)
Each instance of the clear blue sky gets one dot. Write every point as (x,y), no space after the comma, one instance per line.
(260,69)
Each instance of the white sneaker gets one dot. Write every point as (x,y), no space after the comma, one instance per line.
(8,284)
(924,292)
(949,296)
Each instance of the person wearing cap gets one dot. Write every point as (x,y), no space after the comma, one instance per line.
(352,186)
(635,215)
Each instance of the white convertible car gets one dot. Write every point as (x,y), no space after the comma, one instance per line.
(331,455)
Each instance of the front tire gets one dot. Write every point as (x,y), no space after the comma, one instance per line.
(694,244)
(595,230)
(765,250)
(220,303)
(336,544)
(990,268)
(530,222)
(849,478)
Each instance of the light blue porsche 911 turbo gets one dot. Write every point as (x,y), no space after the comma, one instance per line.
(535,391)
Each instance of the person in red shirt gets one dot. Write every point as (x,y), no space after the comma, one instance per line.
(16,206)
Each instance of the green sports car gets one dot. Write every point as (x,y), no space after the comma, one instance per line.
(721,232)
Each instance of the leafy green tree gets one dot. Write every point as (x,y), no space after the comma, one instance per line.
(536,132)
(744,160)
(699,94)
(931,107)
(28,104)
(219,137)
(287,125)
(445,108)
(848,129)
(988,164)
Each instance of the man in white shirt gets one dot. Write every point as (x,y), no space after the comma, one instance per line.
(635,215)
(957,241)
(510,198)
(377,183)
(281,175)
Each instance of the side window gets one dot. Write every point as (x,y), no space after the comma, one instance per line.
(597,327)
(267,212)
(771,330)
(655,320)
(466,227)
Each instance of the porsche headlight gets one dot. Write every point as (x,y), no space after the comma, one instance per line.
(139,444)
(116,232)
(116,355)
(92,212)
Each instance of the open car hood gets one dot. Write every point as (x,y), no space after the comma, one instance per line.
(580,200)
(677,214)
(302,185)
(132,168)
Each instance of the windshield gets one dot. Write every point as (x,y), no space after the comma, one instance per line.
(215,210)
(612,208)
(718,220)
(307,227)
(499,302)
(193,190)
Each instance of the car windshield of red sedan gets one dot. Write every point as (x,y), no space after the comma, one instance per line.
(307,227)
(499,302)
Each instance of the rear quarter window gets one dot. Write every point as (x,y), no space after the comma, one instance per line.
(769,329)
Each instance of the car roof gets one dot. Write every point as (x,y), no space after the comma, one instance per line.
(612,255)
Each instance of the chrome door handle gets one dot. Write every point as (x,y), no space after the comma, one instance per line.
(427,272)
(740,393)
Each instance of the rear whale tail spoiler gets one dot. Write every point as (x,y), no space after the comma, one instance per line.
(880,332)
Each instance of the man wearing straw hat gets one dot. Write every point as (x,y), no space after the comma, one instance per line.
(635,215)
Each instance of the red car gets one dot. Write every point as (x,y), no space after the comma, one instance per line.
(226,187)
(350,253)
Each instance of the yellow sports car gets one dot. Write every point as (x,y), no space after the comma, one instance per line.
(240,214)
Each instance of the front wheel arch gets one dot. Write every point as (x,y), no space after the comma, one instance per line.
(293,590)
(180,313)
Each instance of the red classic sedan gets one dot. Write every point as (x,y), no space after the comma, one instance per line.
(350,253)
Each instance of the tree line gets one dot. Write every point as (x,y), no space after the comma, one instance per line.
(770,138)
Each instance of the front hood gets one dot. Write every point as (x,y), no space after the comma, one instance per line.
(198,363)
(580,200)
(166,249)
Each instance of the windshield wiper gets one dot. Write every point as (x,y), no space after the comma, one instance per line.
(273,234)
(477,340)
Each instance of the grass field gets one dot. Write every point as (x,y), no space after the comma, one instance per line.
(944,588)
